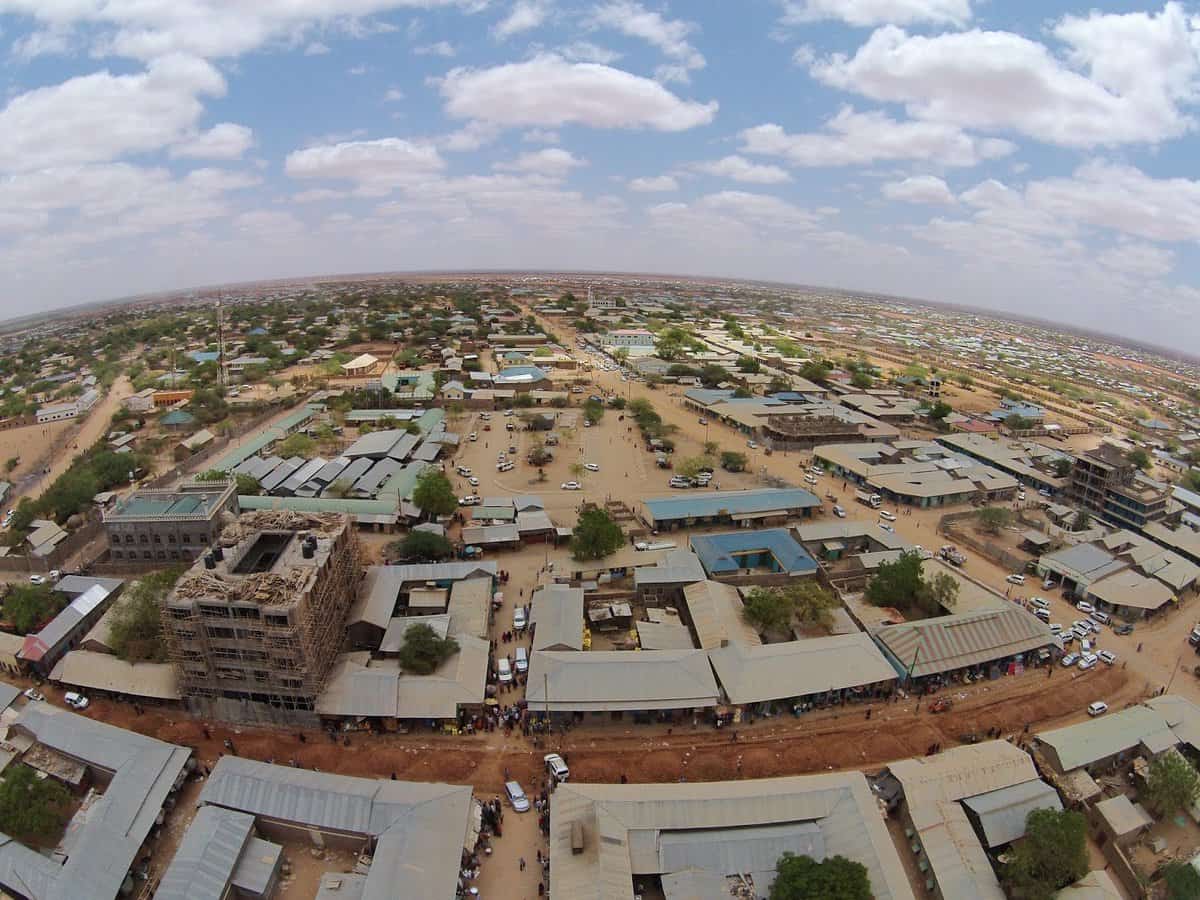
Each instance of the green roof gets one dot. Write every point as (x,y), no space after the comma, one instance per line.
(245,449)
(177,417)
(321,504)
(403,483)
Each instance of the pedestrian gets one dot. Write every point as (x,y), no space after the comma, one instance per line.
(522,861)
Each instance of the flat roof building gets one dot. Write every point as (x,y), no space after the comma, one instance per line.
(608,681)
(757,507)
(768,550)
(156,527)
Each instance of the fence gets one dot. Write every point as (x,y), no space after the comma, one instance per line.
(72,544)
(994,552)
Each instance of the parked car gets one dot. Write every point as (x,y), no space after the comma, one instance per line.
(886,527)
(1043,614)
(1107,657)
(1069,660)
(473,481)
(470,500)
(1084,607)
(888,516)
(521,660)
(1098,708)
(463,471)
(572,486)
(810,479)
(37,579)
(1055,628)
(839,512)
(473,436)
(519,620)
(1102,617)
(503,671)
(516,796)
(704,421)
(78,701)
(34,694)
(753,445)
(1088,660)
(1047,583)
(1015,579)
(1040,602)
(1021,496)
(592,467)
(1123,628)
(556,766)
(505,467)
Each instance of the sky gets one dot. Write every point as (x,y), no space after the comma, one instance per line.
(1036,158)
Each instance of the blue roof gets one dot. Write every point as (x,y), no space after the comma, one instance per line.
(731,503)
(524,373)
(177,417)
(723,554)
(203,356)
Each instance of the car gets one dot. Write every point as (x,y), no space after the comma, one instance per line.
(1098,708)
(704,421)
(1193,638)
(509,412)
(1043,614)
(592,467)
(505,467)
(470,500)
(587,423)
(516,797)
(1084,607)
(839,512)
(1021,496)
(463,471)
(1085,645)
(753,445)
(55,575)
(473,436)
(485,416)
(509,426)
(679,482)
(1069,660)
(37,579)
(887,516)
(1047,583)
(503,670)
(473,481)
(512,449)
(1066,638)
(572,486)
(1015,579)
(1101,617)
(1107,657)
(1088,660)
(77,701)
(810,479)
(1055,628)
(34,694)
(521,660)
(886,527)
(1123,629)
(1045,492)
(519,620)
(1039,602)
(556,766)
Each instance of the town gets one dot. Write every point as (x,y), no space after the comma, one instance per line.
(593,586)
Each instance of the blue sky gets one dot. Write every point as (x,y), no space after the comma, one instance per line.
(1035,158)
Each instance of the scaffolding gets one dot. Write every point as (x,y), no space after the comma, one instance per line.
(258,646)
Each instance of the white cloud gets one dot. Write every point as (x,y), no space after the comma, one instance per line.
(102,116)
(1138,259)
(317,195)
(540,136)
(586,51)
(668,35)
(927,189)
(224,141)
(525,15)
(549,91)
(854,138)
(360,69)
(375,166)
(43,42)
(316,48)
(1142,69)
(552,162)
(868,13)
(741,169)
(267,224)
(443,49)
(393,95)
(470,137)
(654,184)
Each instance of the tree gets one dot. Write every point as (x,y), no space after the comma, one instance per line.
(993,518)
(901,584)
(1139,457)
(29,605)
(135,631)
(1053,855)
(297,445)
(412,428)
(712,375)
(596,535)
(1062,466)
(539,456)
(617,402)
(247,485)
(749,365)
(422,545)
(741,392)
(1083,521)
(769,611)
(692,466)
(32,809)
(434,495)
(577,470)
(1181,879)
(423,651)
(593,410)
(811,604)
(1172,784)
(732,461)
(1018,422)
(965,381)
(862,380)
(937,594)
(940,410)
(11,463)
(711,448)
(835,878)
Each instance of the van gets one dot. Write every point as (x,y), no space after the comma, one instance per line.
(1043,614)
(887,516)
(1101,617)
(1040,602)
(839,512)
(521,660)
(76,700)
(516,796)
(557,767)
(503,671)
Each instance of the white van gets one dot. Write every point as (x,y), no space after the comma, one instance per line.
(1040,602)
(503,671)
(1100,617)
(521,660)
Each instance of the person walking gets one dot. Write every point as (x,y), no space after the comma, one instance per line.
(522,861)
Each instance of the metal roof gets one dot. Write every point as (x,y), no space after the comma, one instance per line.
(375,443)
(1096,739)
(624,827)
(321,504)
(752,674)
(469,604)
(676,567)
(1131,589)
(104,672)
(715,611)
(1123,816)
(203,866)
(613,680)
(668,635)
(368,482)
(726,554)
(376,600)
(558,614)
(946,643)
(729,503)
(1082,561)
(1002,813)
(483,535)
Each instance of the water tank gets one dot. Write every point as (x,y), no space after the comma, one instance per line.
(218,553)
(209,562)
(309,548)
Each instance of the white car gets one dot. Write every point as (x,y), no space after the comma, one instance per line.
(1084,607)
(37,579)
(839,512)
(1021,496)
(1015,579)
(473,436)
(505,467)
(556,766)
(463,471)
(1088,660)
(572,486)
(1055,628)
(503,670)
(1069,660)
(521,660)
(887,516)
(886,527)
(78,701)
(34,694)
(810,479)
(591,467)
(519,620)
(1040,602)
(753,445)
(473,481)
(1098,708)
(470,500)
(1107,657)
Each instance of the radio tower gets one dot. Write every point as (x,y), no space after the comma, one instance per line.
(220,347)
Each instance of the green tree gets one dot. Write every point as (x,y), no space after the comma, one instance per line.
(340,489)
(1181,879)
(32,809)
(421,545)
(693,466)
(712,375)
(993,518)
(1083,521)
(732,461)
(297,445)
(1139,457)
(835,878)
(1017,422)
(862,380)
(29,605)
(901,584)
(769,611)
(11,463)
(1062,466)
(1052,855)
(749,365)
(940,410)
(596,535)
(711,448)
(965,381)
(1172,784)
(434,495)
(247,485)
(593,410)
(741,392)
(423,651)
(937,594)
(617,402)
(136,625)
(811,604)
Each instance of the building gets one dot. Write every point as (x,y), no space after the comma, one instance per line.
(1123,571)
(190,446)
(713,612)
(558,617)
(614,841)
(255,626)
(90,599)
(1147,730)
(993,642)
(916,473)
(164,399)
(758,508)
(151,527)
(629,337)
(220,856)
(1034,465)
(362,366)
(134,776)
(141,402)
(57,412)
(522,379)
(387,593)
(1107,484)
(411,835)
(742,555)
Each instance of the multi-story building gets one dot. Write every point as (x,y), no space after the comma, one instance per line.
(629,337)
(255,625)
(156,527)
(1109,485)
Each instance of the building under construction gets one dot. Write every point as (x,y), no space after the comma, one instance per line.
(256,624)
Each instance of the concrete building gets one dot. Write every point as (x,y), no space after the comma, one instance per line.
(90,598)
(1107,484)
(1029,462)
(638,338)
(57,412)
(255,626)
(762,507)
(153,527)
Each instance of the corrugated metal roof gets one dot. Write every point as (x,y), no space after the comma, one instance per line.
(558,614)
(1104,736)
(752,674)
(1123,816)
(104,672)
(715,610)
(732,503)
(620,680)
(664,636)
(1002,813)
(677,567)
(724,554)
(207,856)
(376,600)
(946,643)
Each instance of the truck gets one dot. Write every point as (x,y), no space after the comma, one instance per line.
(951,555)
(868,499)
(662,461)
(654,545)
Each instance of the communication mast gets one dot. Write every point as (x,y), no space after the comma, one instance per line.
(220,347)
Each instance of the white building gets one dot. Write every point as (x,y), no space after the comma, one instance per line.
(629,337)
(79,406)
